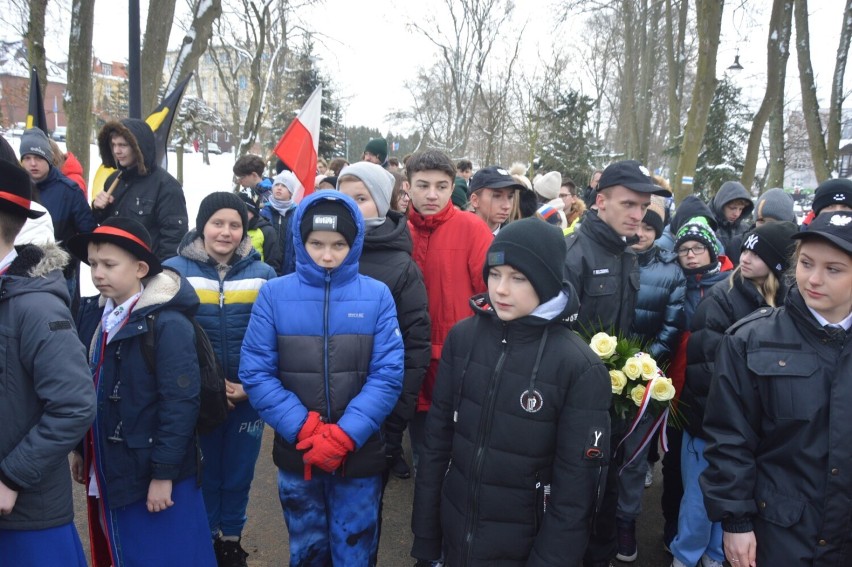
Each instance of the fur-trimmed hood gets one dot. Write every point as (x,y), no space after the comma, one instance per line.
(140,137)
(37,268)
(167,288)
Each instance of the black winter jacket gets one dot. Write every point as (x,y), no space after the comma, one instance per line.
(660,318)
(271,247)
(387,257)
(721,307)
(729,231)
(778,424)
(146,192)
(281,224)
(507,478)
(47,401)
(605,272)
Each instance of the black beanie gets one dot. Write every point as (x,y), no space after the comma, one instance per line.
(534,248)
(219,200)
(832,192)
(773,243)
(251,206)
(331,215)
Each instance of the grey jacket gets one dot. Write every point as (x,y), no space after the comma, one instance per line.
(47,399)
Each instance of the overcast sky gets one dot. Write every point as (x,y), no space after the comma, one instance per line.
(369,53)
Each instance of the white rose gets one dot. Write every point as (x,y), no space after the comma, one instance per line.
(603,345)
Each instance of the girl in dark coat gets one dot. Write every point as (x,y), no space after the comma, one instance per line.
(778,416)
(518,432)
(139,460)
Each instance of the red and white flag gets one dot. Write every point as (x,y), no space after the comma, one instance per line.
(298,147)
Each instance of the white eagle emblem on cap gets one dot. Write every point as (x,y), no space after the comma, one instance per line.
(644,170)
(839,197)
(840,220)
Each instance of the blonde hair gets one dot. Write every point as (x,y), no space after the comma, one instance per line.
(768,290)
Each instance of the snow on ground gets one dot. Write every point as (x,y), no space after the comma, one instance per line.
(199,180)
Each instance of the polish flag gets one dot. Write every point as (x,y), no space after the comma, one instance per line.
(298,147)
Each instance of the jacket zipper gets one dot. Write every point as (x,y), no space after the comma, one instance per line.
(325,344)
(479,457)
(223,325)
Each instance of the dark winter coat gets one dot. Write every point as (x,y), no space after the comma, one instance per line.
(501,482)
(146,192)
(155,414)
(721,307)
(325,341)
(387,257)
(264,239)
(778,423)
(226,294)
(604,270)
(728,231)
(47,400)
(281,224)
(659,318)
(66,204)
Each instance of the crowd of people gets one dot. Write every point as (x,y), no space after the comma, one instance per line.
(417,295)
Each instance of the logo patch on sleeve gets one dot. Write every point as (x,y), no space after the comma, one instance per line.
(595,444)
(59,325)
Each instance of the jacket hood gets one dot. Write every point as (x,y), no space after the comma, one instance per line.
(37,268)
(305,266)
(164,290)
(561,309)
(392,234)
(192,248)
(729,191)
(72,165)
(689,208)
(140,137)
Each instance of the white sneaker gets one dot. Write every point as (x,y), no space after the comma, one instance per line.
(707,562)
(649,475)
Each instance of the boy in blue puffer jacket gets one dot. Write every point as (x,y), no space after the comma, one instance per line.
(322,363)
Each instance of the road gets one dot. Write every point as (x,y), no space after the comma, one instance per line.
(265,536)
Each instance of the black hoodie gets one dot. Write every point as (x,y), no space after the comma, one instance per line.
(146,192)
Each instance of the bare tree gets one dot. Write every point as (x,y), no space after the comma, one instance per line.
(834,112)
(161,13)
(675,43)
(34,38)
(776,71)
(198,34)
(78,95)
(810,105)
(709,23)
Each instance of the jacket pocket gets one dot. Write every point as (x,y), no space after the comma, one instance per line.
(141,447)
(142,207)
(600,286)
(779,509)
(788,389)
(543,481)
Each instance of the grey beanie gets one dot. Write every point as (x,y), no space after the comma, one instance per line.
(775,204)
(378,181)
(34,142)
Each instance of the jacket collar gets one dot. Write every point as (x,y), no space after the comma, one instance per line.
(432,222)
(603,234)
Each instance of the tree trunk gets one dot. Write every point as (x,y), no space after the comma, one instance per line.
(35,40)
(810,105)
(78,95)
(161,13)
(777,162)
(837,96)
(776,66)
(709,25)
(196,40)
(676,62)
(627,106)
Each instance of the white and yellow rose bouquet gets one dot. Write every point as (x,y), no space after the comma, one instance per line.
(639,386)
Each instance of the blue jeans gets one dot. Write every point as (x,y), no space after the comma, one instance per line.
(230,452)
(331,520)
(696,534)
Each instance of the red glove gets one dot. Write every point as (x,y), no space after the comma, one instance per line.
(327,449)
(312,426)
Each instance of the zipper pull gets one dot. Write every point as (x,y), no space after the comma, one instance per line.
(221,299)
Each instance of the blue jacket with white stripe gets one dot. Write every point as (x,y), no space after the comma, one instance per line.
(227,293)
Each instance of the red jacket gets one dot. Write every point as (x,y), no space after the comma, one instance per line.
(449,248)
(73,170)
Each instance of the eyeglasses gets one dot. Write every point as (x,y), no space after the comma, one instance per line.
(696,250)
(564,195)
(403,196)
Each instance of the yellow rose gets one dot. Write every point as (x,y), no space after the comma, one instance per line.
(603,345)
(636,394)
(662,389)
(649,367)
(632,368)
(618,380)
